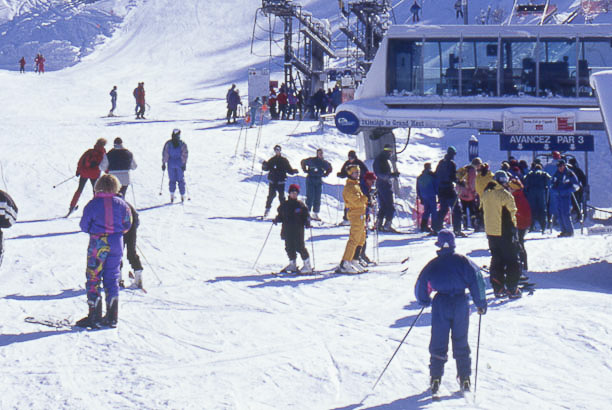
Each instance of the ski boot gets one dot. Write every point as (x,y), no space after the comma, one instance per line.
(182,198)
(434,385)
(346,267)
(137,279)
(112,312)
(464,384)
(266,212)
(307,268)
(358,267)
(171,198)
(514,294)
(291,268)
(94,317)
(315,216)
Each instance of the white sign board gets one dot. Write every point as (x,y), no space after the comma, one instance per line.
(259,83)
(562,123)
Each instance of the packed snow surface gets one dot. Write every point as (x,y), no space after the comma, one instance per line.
(212,331)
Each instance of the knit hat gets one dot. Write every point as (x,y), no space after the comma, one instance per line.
(176,133)
(451,150)
(501,177)
(560,162)
(294,188)
(556,155)
(446,239)
(369,176)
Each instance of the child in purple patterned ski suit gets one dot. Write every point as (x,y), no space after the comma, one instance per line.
(105,218)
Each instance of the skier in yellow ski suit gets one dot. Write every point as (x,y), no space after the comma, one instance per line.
(356,201)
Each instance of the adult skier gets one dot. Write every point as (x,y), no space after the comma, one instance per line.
(449,274)
(382,169)
(175,154)
(294,216)
(536,185)
(113,95)
(466,190)
(415,9)
(88,169)
(105,218)
(367,186)
(139,96)
(356,202)
(446,173)
(22,64)
(118,162)
(233,101)
(564,184)
(427,189)
(316,169)
(278,167)
(500,225)
(363,169)
(523,217)
(8,216)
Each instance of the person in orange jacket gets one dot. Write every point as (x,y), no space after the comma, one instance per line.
(523,217)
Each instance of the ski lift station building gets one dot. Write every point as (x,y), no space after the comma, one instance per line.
(519,80)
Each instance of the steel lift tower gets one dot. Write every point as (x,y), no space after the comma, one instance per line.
(372,21)
(304,50)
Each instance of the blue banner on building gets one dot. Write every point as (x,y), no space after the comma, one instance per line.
(546,142)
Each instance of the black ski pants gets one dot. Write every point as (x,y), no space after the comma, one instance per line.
(273,188)
(129,241)
(504,268)
(294,244)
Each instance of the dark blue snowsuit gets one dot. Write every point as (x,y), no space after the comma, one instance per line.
(564,184)
(446,172)
(450,274)
(427,189)
(382,169)
(316,168)
(536,184)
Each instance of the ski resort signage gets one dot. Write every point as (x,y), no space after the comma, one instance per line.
(546,142)
(545,125)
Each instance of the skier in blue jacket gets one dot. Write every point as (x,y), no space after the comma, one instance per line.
(317,168)
(105,218)
(564,183)
(427,190)
(175,154)
(449,274)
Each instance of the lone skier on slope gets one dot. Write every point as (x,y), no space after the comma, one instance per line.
(293,215)
(113,95)
(8,216)
(175,154)
(449,274)
(278,167)
(88,168)
(105,218)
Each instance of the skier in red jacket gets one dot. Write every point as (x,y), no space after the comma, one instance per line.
(88,168)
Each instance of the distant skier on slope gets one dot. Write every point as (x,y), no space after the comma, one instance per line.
(449,274)
(139,96)
(22,64)
(88,168)
(105,218)
(8,216)
(293,214)
(113,95)
(175,154)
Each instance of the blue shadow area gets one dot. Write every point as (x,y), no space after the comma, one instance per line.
(596,277)
(66,293)
(44,235)
(6,340)
(476,253)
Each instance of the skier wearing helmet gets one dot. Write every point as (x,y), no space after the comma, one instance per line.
(175,154)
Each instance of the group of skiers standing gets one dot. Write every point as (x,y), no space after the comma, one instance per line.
(139,97)
(39,64)
(112,222)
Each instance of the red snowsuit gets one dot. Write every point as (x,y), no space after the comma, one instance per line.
(88,169)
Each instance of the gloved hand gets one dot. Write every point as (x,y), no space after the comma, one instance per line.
(395,174)
(339,174)
(481,311)
(275,221)
(184,167)
(294,171)
(163,167)
(77,173)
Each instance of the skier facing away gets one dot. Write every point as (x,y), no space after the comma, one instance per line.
(113,95)
(105,218)
(139,96)
(175,154)
(278,167)
(8,216)
(294,216)
(449,274)
(88,169)
(118,162)
(356,202)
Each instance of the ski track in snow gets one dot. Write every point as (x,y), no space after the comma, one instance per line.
(212,332)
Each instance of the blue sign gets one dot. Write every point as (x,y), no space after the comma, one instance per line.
(347,122)
(546,142)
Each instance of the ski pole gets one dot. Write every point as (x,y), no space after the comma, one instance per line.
(149,263)
(312,247)
(263,246)
(187,189)
(133,195)
(477,351)
(162,183)
(398,347)
(256,189)
(64,181)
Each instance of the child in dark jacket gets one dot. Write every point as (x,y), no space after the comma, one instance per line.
(293,214)
(449,274)
(105,218)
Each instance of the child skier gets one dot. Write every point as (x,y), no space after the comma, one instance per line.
(105,218)
(293,214)
(449,274)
